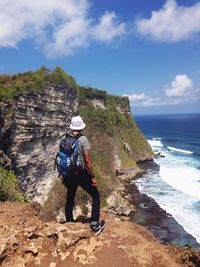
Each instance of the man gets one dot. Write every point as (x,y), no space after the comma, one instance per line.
(84,178)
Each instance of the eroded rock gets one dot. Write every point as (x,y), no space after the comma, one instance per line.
(32,135)
(5,162)
(118,204)
(52,244)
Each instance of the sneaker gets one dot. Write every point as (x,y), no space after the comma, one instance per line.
(98,227)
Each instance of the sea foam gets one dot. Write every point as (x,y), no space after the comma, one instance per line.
(184,178)
(155,143)
(178,150)
(174,202)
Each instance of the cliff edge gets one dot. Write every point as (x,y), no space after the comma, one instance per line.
(25,240)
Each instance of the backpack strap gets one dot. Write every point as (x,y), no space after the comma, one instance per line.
(55,162)
(75,148)
(75,136)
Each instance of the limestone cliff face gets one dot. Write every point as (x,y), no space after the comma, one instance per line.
(31,135)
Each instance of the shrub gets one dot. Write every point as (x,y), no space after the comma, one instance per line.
(13,85)
(9,188)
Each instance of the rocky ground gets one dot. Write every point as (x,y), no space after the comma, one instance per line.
(25,240)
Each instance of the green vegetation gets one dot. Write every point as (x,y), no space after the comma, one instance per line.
(89,93)
(121,102)
(109,129)
(9,188)
(13,85)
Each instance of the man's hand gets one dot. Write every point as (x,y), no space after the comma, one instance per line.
(94,182)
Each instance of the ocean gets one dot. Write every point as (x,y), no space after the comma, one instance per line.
(175,185)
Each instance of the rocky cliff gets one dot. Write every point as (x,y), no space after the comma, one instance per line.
(33,121)
(31,134)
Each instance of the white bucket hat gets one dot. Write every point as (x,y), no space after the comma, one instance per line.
(77,123)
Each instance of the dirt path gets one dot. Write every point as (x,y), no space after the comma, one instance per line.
(27,241)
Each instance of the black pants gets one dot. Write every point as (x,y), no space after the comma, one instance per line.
(83,180)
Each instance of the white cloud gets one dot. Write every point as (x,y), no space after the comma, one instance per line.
(136,97)
(143,100)
(108,28)
(171,23)
(181,91)
(58,26)
(151,101)
(181,86)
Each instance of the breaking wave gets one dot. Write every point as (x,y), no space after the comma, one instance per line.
(178,150)
(155,143)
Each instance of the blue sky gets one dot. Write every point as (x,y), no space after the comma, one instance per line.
(147,50)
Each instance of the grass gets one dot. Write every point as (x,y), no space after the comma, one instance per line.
(9,187)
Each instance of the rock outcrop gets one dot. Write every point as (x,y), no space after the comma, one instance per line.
(31,136)
(5,162)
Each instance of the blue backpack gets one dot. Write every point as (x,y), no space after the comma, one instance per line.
(67,159)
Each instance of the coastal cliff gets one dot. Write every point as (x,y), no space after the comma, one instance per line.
(35,110)
(31,137)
